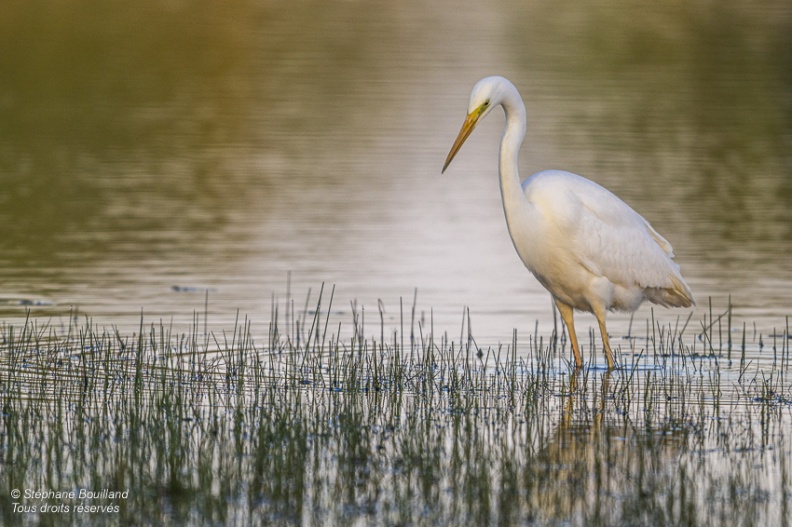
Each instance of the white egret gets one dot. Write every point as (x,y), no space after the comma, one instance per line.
(587,247)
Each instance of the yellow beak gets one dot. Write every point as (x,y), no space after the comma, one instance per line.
(470,123)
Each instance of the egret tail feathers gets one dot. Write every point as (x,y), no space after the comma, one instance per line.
(678,295)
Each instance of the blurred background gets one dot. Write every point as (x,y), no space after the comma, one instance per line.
(154,151)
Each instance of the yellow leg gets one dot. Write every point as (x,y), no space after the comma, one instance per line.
(567,316)
(600,314)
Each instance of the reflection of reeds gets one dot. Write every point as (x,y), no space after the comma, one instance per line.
(407,428)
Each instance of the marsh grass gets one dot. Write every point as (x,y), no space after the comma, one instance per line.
(399,428)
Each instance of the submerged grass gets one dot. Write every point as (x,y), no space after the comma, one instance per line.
(395,429)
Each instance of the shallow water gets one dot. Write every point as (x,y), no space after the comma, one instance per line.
(202,432)
(203,163)
(151,154)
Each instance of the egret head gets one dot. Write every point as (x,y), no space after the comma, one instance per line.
(488,93)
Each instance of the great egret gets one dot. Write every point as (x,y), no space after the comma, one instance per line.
(587,247)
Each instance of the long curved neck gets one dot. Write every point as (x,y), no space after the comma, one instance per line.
(513,135)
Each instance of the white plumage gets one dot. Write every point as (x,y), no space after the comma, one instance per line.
(587,247)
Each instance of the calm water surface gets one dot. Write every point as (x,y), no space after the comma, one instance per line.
(156,154)
(151,153)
